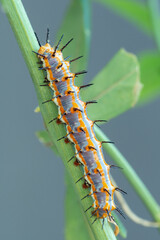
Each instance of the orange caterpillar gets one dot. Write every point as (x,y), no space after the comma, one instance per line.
(72,111)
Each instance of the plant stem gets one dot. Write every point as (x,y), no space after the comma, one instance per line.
(131,176)
(153,6)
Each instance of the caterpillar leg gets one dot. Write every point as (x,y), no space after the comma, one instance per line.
(116,230)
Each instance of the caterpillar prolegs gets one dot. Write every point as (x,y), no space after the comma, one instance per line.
(80,129)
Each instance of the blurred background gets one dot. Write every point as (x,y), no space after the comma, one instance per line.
(32,188)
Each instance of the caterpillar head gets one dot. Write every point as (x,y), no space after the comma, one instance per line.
(45,49)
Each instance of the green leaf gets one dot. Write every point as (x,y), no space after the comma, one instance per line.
(135,11)
(76,25)
(116,87)
(44,137)
(150,75)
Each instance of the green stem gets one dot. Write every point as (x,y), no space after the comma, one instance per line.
(27,42)
(155,19)
(131,176)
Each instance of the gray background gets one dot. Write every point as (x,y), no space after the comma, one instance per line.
(32,179)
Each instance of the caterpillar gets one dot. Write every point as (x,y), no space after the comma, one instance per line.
(80,129)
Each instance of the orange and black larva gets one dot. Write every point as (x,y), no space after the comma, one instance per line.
(72,111)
